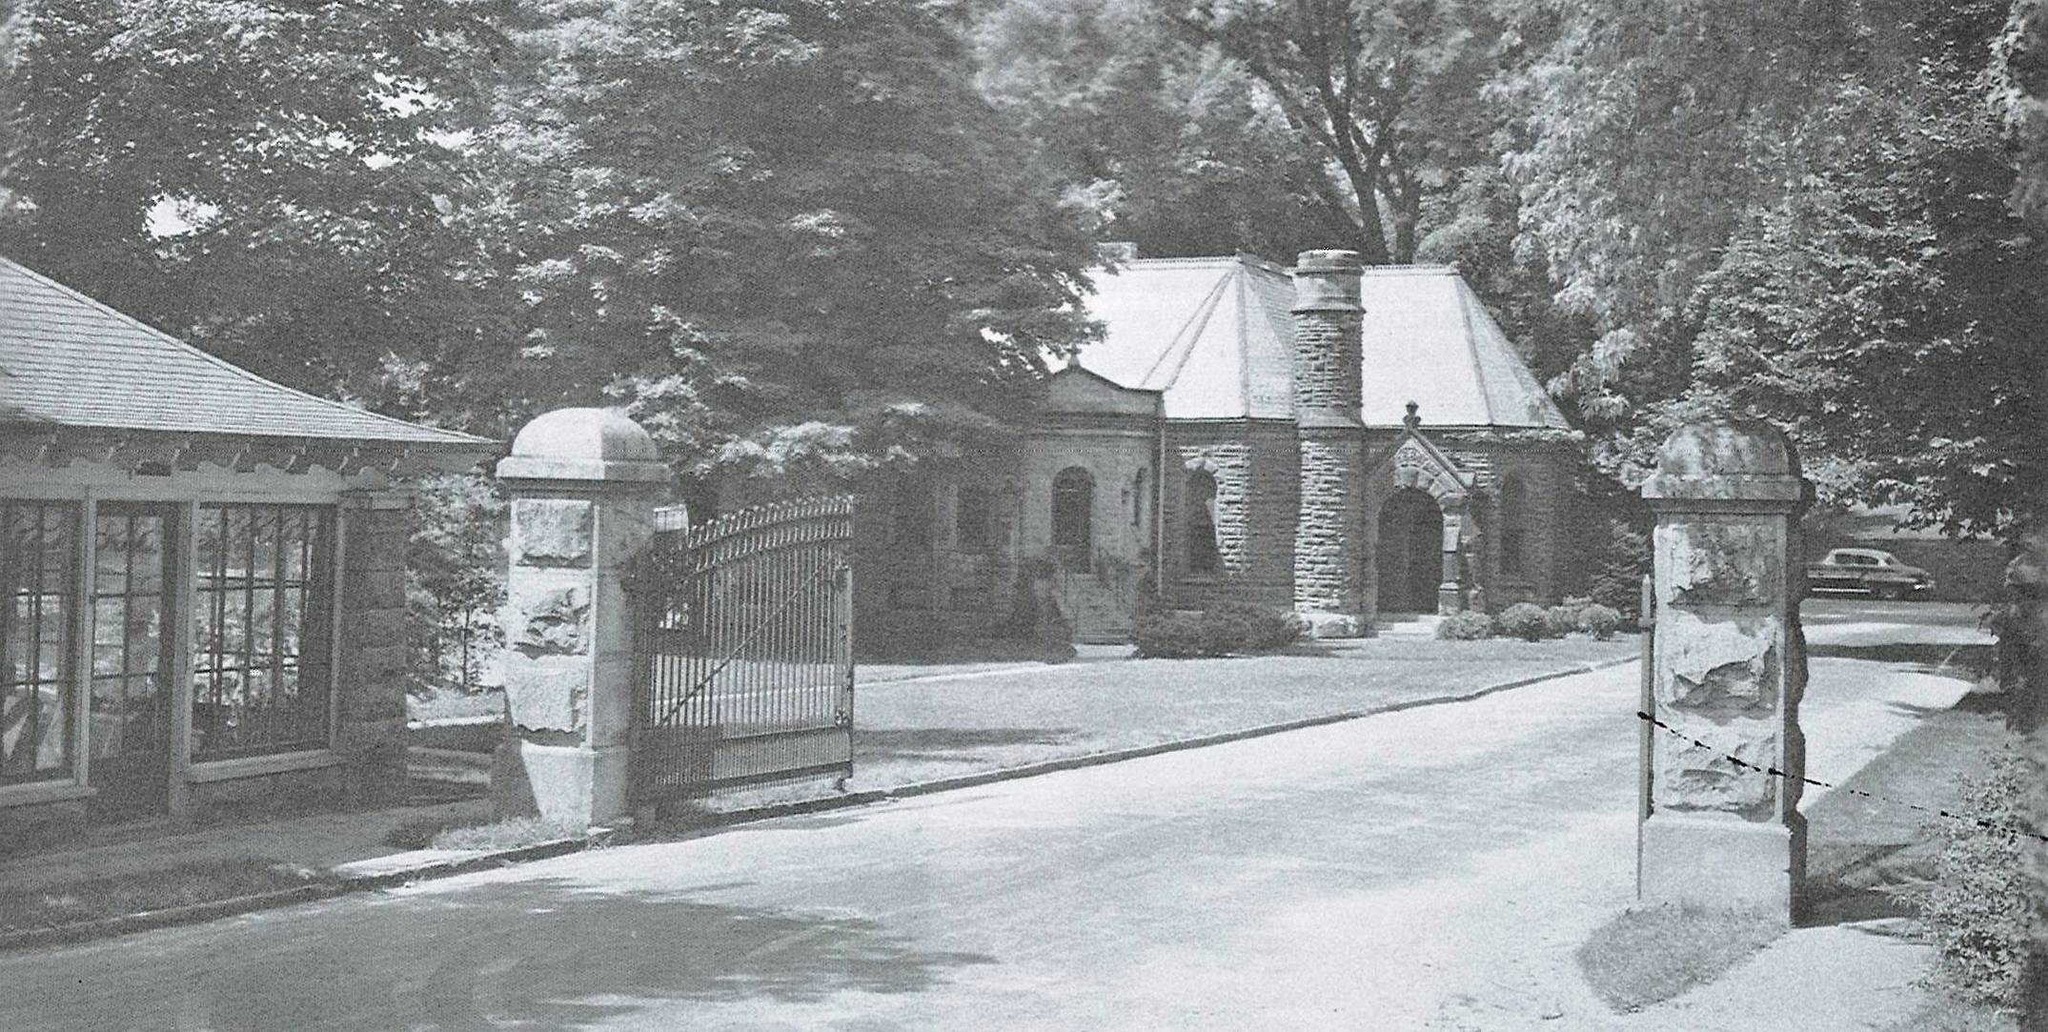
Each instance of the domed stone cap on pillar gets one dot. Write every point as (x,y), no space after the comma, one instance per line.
(584,444)
(1727,460)
(1327,281)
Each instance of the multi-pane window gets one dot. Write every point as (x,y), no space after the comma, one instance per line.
(38,569)
(130,728)
(262,620)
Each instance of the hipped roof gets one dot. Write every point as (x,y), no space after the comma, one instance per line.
(68,360)
(1215,336)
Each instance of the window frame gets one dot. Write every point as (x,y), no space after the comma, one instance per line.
(68,776)
(317,624)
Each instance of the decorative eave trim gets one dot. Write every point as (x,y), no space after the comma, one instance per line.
(156,453)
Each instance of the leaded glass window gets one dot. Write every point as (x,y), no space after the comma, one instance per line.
(263,620)
(38,578)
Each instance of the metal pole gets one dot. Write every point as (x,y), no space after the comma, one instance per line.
(1646,704)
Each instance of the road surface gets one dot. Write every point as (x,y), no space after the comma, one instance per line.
(1432,868)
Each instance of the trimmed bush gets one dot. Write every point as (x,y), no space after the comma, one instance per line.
(1599,621)
(1224,632)
(1525,620)
(1169,635)
(1470,625)
(1266,629)
(1559,621)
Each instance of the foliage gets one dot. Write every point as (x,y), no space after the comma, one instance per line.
(1809,226)
(1599,621)
(1469,625)
(1163,144)
(737,217)
(455,581)
(1525,620)
(1170,634)
(270,180)
(1561,620)
(1619,568)
(1385,96)
(1225,629)
(1266,628)
(1978,913)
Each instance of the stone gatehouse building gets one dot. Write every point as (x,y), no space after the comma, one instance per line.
(1349,442)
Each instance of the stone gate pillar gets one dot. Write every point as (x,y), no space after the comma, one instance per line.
(1730,666)
(583,484)
(1329,581)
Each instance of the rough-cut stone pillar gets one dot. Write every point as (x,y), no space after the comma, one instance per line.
(1450,593)
(1329,582)
(370,668)
(583,484)
(1730,667)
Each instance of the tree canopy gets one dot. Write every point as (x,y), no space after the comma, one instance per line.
(835,231)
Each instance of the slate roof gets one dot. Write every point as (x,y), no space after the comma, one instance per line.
(68,360)
(1215,336)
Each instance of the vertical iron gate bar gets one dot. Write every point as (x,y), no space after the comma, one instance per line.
(747,654)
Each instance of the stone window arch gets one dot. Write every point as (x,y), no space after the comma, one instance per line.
(1513,508)
(1073,514)
(1203,555)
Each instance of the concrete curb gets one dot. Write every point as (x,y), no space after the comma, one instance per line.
(214,910)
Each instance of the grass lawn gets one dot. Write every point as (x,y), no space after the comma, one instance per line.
(91,899)
(979,720)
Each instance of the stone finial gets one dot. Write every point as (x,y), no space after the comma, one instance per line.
(584,444)
(1728,460)
(1412,420)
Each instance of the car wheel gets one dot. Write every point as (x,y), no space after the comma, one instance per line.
(1888,592)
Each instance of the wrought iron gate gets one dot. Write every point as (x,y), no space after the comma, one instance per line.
(745,642)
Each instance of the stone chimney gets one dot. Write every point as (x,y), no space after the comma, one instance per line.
(1329,544)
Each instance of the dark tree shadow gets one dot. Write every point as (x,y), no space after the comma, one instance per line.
(544,954)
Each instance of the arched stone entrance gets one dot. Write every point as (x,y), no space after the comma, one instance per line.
(1410,555)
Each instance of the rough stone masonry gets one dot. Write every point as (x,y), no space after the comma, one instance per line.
(1729,671)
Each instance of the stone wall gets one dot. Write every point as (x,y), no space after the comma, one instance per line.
(1256,467)
(375,645)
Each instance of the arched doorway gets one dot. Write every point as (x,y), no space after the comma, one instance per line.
(1410,557)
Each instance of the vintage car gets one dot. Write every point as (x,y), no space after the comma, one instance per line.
(1867,570)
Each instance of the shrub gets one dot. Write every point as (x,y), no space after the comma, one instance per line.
(1599,621)
(1266,629)
(1618,569)
(1224,632)
(1470,625)
(1559,621)
(1977,911)
(1525,620)
(1169,635)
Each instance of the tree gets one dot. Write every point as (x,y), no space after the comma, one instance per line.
(267,179)
(740,216)
(1386,94)
(1169,145)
